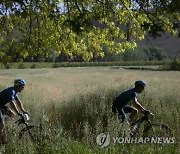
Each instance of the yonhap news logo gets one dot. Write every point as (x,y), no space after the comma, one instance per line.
(103,140)
(144,140)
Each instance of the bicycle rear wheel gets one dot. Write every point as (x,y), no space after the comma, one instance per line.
(31,132)
(157,130)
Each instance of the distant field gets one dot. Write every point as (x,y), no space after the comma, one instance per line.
(35,65)
(68,82)
(67,100)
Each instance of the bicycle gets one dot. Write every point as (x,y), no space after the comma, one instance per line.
(29,130)
(150,129)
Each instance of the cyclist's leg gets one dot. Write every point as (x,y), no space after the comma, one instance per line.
(7,111)
(132,110)
(121,115)
(2,133)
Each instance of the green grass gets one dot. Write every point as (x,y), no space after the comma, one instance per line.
(73,105)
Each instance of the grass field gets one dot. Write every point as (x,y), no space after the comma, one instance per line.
(73,105)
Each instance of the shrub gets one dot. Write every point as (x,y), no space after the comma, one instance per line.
(175,65)
(33,66)
(21,66)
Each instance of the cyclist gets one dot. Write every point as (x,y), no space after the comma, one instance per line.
(120,104)
(10,95)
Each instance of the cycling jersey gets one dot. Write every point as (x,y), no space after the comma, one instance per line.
(7,96)
(124,98)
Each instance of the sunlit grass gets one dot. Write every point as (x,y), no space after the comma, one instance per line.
(73,105)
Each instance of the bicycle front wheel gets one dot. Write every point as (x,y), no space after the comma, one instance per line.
(157,130)
(31,132)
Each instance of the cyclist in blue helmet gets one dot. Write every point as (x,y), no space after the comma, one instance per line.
(120,103)
(10,96)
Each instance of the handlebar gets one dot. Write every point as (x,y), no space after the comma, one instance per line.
(147,113)
(24,118)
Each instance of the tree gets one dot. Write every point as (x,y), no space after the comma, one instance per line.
(81,27)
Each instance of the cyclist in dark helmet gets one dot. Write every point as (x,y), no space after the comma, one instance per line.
(120,103)
(10,96)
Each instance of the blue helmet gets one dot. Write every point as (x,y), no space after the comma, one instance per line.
(140,83)
(19,82)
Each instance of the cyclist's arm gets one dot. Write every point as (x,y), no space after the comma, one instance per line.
(137,105)
(20,105)
(14,107)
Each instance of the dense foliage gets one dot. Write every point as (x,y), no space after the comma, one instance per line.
(80,28)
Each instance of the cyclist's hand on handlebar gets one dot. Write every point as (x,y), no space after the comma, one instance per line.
(147,112)
(20,114)
(25,113)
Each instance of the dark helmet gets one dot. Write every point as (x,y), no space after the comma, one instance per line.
(19,82)
(140,83)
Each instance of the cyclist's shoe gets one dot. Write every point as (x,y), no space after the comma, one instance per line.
(131,134)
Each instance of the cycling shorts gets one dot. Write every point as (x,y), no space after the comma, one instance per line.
(4,111)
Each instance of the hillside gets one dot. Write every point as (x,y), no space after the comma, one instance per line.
(170,44)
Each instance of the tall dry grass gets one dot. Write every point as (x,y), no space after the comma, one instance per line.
(73,105)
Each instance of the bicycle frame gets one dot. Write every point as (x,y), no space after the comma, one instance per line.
(22,121)
(140,120)
(26,128)
(136,125)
